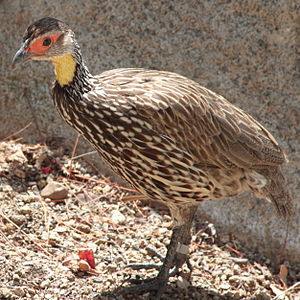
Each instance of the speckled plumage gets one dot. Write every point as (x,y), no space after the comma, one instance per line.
(170,138)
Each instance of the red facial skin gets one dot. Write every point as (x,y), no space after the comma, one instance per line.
(37,46)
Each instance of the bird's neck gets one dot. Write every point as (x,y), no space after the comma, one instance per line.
(70,70)
(64,68)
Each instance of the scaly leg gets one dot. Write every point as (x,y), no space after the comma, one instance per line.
(177,255)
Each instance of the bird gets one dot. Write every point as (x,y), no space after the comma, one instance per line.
(170,138)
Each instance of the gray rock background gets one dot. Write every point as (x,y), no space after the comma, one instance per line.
(247,51)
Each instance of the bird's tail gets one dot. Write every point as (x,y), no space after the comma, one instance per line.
(276,190)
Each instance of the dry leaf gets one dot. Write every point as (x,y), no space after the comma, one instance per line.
(84,266)
(88,256)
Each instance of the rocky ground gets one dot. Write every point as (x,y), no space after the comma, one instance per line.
(56,213)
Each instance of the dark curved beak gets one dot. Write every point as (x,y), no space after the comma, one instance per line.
(21,55)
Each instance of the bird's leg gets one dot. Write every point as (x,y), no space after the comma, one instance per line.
(176,256)
(182,251)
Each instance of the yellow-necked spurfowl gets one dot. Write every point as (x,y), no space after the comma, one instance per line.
(170,138)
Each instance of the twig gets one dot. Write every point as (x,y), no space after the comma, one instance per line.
(17,132)
(92,165)
(46,217)
(238,253)
(23,232)
(11,244)
(287,290)
(82,155)
(75,146)
(138,209)
(59,221)
(133,198)
(198,245)
(15,141)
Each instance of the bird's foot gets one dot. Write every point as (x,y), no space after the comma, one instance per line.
(137,280)
(154,253)
(177,255)
(157,284)
(146,266)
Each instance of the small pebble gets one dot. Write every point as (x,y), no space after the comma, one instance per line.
(5,292)
(162,230)
(52,237)
(18,219)
(45,283)
(76,236)
(239,260)
(30,198)
(225,286)
(83,228)
(55,191)
(25,210)
(236,270)
(31,291)
(117,217)
(19,291)
(61,229)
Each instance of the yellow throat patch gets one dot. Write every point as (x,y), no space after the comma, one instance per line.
(64,68)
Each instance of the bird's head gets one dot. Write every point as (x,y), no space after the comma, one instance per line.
(45,39)
(51,39)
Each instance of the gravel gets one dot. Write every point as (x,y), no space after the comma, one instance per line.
(40,237)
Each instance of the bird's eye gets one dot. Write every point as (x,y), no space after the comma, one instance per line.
(47,42)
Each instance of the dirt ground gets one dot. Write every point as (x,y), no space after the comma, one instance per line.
(43,229)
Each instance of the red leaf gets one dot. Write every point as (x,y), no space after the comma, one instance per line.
(88,256)
(46,170)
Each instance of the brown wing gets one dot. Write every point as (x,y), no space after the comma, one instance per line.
(206,125)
